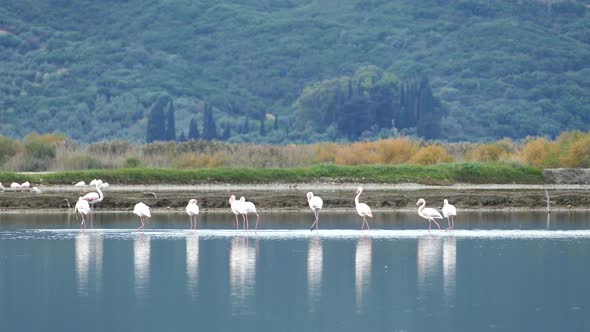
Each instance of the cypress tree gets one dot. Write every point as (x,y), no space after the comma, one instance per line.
(181,137)
(246,126)
(276,123)
(209,127)
(156,126)
(193,130)
(170,123)
(226,132)
(262,127)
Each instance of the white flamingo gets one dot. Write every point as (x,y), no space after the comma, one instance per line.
(94,182)
(429,214)
(1,187)
(15,185)
(449,211)
(25,185)
(83,208)
(35,190)
(93,198)
(142,211)
(315,204)
(362,209)
(246,207)
(80,184)
(192,209)
(234,208)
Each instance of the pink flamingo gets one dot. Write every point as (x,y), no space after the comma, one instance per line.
(315,204)
(192,209)
(247,207)
(142,211)
(428,213)
(93,198)
(234,208)
(449,211)
(83,208)
(362,209)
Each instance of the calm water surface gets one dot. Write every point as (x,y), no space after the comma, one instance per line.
(497,271)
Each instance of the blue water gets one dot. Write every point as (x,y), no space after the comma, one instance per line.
(497,271)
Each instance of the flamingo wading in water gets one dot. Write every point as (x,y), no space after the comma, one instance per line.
(142,211)
(315,204)
(362,209)
(83,209)
(449,211)
(429,214)
(246,207)
(234,208)
(192,209)
(93,198)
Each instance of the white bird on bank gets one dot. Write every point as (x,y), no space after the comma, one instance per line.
(83,208)
(80,184)
(449,211)
(15,185)
(315,204)
(362,209)
(234,204)
(1,187)
(94,182)
(35,190)
(142,211)
(25,185)
(429,214)
(246,207)
(192,209)
(105,185)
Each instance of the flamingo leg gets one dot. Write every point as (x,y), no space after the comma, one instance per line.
(257,218)
(83,222)
(91,216)
(244,221)
(314,223)
(436,223)
(237,223)
(247,222)
(317,219)
(449,221)
(363,224)
(429,224)
(453,221)
(367,223)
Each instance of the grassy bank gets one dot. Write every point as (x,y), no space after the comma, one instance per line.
(435,174)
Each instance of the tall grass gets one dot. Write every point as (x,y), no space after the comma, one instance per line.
(55,153)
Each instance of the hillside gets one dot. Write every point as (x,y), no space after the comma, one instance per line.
(94,69)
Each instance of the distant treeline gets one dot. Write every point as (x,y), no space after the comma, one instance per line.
(53,152)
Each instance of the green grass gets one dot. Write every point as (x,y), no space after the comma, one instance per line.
(436,174)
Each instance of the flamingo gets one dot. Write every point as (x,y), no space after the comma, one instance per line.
(94,182)
(105,185)
(142,211)
(235,208)
(25,185)
(93,198)
(192,209)
(247,207)
(15,185)
(35,190)
(83,208)
(449,211)
(428,213)
(1,187)
(362,209)
(80,184)
(315,204)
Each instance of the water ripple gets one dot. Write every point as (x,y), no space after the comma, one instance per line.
(285,234)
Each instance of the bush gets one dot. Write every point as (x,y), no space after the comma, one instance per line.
(432,154)
(132,162)
(8,148)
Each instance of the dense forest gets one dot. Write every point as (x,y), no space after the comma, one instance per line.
(279,71)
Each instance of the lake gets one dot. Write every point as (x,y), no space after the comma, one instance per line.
(498,271)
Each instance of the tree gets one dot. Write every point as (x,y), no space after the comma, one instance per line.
(209,127)
(156,126)
(262,128)
(193,130)
(170,123)
(276,123)
(226,132)
(182,137)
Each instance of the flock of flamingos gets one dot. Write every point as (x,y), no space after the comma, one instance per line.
(85,206)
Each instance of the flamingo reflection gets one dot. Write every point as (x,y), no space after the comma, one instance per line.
(88,259)
(242,269)
(449,266)
(428,260)
(315,259)
(192,262)
(362,269)
(141,260)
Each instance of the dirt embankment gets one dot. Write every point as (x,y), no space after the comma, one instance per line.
(567,175)
(294,199)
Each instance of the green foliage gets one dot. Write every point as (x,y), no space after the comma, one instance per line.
(92,69)
(8,148)
(435,174)
(132,162)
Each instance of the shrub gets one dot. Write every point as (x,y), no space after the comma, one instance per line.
(132,162)
(432,154)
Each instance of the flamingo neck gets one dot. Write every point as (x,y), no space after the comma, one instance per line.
(100,194)
(420,208)
(356,199)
